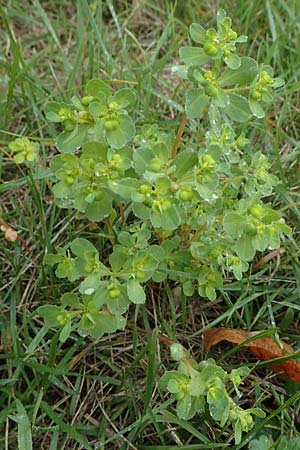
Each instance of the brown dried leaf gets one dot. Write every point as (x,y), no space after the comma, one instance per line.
(264,348)
(11,235)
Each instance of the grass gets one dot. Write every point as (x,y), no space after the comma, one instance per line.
(103,394)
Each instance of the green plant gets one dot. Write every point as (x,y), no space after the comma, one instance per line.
(267,443)
(194,385)
(24,150)
(190,217)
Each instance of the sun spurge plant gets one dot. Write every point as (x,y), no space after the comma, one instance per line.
(197,386)
(192,217)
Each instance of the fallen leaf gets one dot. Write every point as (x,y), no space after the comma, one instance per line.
(10,234)
(264,348)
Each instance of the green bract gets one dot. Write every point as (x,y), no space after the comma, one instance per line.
(24,150)
(234,90)
(100,116)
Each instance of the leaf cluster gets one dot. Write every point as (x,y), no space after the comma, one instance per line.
(197,386)
(229,85)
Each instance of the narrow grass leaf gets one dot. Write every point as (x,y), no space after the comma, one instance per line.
(24,427)
(151,369)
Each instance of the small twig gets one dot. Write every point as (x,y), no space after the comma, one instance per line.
(179,135)
(110,230)
(290,205)
(195,235)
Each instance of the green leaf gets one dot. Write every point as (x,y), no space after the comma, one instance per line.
(184,162)
(245,74)
(194,56)
(184,406)
(238,108)
(123,134)
(157,254)
(177,351)
(65,332)
(215,118)
(168,220)
(125,97)
(80,246)
(256,108)
(221,99)
(24,427)
(197,385)
(71,299)
(118,305)
(94,150)
(126,239)
(221,14)
(61,190)
(77,103)
(233,61)
(151,369)
(135,292)
(51,259)
(263,443)
(196,101)
(261,240)
(188,288)
(218,401)
(68,142)
(234,224)
(210,292)
(172,375)
(52,109)
(90,284)
(97,108)
(19,158)
(197,33)
(237,432)
(244,248)
(50,313)
(117,259)
(124,188)
(64,161)
(141,159)
(141,211)
(98,210)
(105,323)
(97,88)
(207,187)
(288,443)
(173,386)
